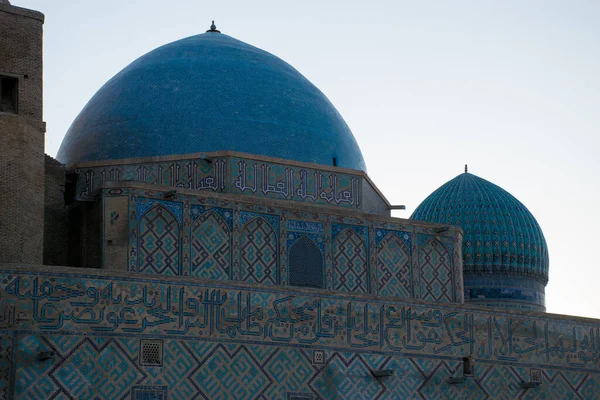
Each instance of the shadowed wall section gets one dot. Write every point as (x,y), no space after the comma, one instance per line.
(306,264)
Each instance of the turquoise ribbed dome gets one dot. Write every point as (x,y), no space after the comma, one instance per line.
(207,93)
(505,256)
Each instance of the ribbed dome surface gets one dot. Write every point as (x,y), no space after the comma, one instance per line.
(205,93)
(505,256)
(500,234)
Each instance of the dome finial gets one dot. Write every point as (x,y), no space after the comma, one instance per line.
(213,28)
(466,168)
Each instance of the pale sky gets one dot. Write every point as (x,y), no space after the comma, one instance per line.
(510,87)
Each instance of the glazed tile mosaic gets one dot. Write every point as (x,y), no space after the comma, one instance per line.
(227,174)
(224,239)
(505,255)
(230,245)
(226,341)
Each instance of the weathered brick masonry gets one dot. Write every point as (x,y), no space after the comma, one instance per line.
(22,138)
(56,218)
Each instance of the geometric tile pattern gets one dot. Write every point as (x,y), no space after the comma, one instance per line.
(33,379)
(211,255)
(291,369)
(106,367)
(434,384)
(100,367)
(155,307)
(94,367)
(228,342)
(259,252)
(406,379)
(394,267)
(502,381)
(177,365)
(347,376)
(6,358)
(350,262)
(159,242)
(436,272)
(504,252)
(214,244)
(500,235)
(174,207)
(230,372)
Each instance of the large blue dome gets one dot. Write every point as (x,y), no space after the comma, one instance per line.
(206,93)
(505,256)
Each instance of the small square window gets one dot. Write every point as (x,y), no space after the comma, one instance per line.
(151,353)
(535,375)
(318,357)
(8,94)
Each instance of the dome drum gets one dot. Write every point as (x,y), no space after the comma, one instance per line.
(504,270)
(517,292)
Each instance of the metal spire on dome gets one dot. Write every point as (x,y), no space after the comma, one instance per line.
(213,28)
(466,168)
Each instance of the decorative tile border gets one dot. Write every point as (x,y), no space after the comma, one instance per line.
(55,303)
(234,175)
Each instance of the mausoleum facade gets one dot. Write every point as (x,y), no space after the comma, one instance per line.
(209,231)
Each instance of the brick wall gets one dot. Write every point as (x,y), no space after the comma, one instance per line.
(21,190)
(21,55)
(22,138)
(85,235)
(56,218)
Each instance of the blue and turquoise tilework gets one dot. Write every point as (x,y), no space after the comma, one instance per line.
(502,241)
(214,238)
(394,266)
(237,342)
(210,242)
(259,248)
(235,175)
(350,258)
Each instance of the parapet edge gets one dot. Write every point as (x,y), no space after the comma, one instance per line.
(24,12)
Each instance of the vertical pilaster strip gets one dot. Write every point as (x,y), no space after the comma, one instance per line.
(328,254)
(186,238)
(372,267)
(415,265)
(459,285)
(235,238)
(283,259)
(133,237)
